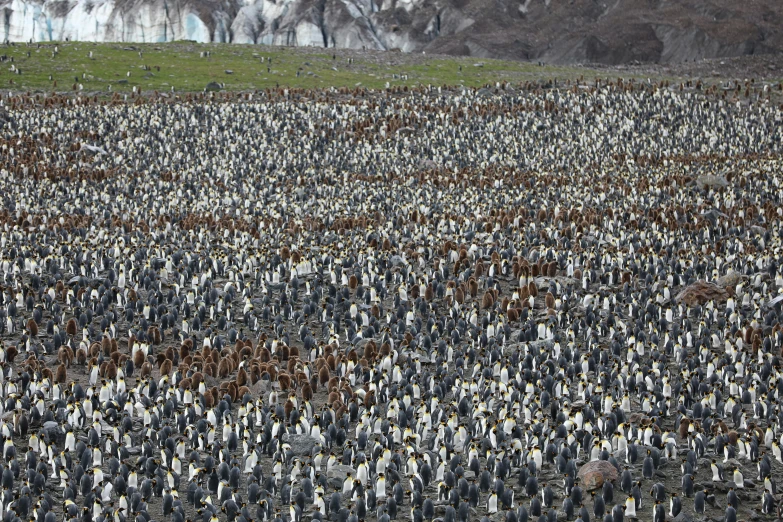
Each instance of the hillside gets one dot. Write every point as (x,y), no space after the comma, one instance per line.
(552,31)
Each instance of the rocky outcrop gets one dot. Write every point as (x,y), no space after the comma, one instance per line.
(594,474)
(544,30)
(301,445)
(702,292)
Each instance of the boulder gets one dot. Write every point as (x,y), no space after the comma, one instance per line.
(337,475)
(594,474)
(730,280)
(683,517)
(711,181)
(53,431)
(213,86)
(701,292)
(302,445)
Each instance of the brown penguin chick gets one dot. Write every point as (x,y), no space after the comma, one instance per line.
(111,370)
(32,328)
(264,355)
(160,359)
(284,380)
(513,315)
(241,379)
(549,300)
(683,428)
(254,373)
(65,355)
(184,351)
(333,398)
(307,392)
(334,384)
(146,369)
(60,375)
(353,282)
(70,327)
(369,399)
(532,289)
(459,295)
(223,369)
(95,349)
(233,391)
(733,437)
(165,367)
(479,270)
(138,359)
(331,363)
(245,353)
(81,357)
(504,304)
(487,301)
(288,407)
(196,379)
(552,272)
(472,287)
(209,399)
(105,345)
(283,352)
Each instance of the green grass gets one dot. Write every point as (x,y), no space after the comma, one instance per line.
(181,66)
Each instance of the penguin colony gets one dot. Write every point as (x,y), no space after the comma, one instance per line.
(424,305)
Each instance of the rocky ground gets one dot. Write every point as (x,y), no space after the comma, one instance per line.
(590,231)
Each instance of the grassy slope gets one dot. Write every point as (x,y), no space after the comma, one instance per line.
(181,66)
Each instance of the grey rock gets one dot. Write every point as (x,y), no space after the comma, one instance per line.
(711,181)
(213,86)
(713,215)
(729,280)
(337,475)
(302,444)
(683,517)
